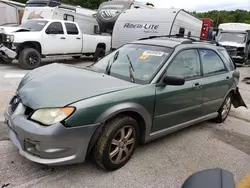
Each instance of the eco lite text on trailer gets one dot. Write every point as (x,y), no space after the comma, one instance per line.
(134,24)
(235,37)
(109,11)
(85,18)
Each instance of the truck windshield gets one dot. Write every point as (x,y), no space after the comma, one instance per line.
(232,37)
(136,61)
(34,25)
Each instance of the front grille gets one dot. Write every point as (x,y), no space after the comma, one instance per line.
(232,51)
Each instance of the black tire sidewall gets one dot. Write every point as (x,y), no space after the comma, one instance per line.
(124,121)
(99,53)
(24,55)
(219,119)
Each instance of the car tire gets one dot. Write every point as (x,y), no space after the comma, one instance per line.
(29,58)
(119,138)
(99,53)
(76,57)
(224,110)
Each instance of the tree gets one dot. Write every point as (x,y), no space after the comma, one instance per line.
(237,16)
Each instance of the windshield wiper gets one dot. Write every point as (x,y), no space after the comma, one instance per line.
(130,69)
(109,65)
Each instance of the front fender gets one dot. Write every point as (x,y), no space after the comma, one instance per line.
(125,107)
(116,110)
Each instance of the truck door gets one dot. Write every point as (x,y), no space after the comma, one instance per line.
(54,39)
(74,39)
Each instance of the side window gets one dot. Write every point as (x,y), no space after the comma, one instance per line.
(55,28)
(211,62)
(71,29)
(229,61)
(68,17)
(186,63)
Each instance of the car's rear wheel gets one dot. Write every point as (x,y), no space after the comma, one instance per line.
(224,110)
(117,143)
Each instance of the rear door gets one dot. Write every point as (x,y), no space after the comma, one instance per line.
(74,38)
(217,80)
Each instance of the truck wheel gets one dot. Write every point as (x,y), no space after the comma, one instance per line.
(76,57)
(117,143)
(99,53)
(224,110)
(29,58)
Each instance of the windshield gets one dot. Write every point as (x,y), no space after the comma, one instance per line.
(34,25)
(232,37)
(139,62)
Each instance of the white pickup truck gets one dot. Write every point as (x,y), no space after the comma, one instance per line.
(39,38)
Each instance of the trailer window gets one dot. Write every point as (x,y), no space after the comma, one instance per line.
(69,17)
(71,29)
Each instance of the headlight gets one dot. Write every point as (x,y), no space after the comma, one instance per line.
(8,38)
(49,116)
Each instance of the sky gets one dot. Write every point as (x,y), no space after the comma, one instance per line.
(202,6)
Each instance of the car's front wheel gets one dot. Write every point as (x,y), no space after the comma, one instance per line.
(117,143)
(224,110)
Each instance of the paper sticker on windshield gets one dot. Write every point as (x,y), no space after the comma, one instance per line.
(143,57)
(153,53)
(41,23)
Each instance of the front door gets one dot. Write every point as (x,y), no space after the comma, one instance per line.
(180,104)
(54,39)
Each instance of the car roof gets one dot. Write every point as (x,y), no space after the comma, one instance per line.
(172,42)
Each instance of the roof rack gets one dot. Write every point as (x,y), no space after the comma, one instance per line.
(184,37)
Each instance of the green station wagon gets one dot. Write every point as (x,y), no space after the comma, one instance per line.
(142,91)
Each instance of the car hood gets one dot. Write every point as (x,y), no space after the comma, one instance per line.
(232,44)
(58,85)
(10,30)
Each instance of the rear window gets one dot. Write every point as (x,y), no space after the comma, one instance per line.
(71,29)
(230,64)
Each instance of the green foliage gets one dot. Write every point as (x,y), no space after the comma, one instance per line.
(238,16)
(92,4)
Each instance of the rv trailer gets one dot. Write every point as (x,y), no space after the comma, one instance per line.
(109,11)
(84,17)
(134,24)
(10,13)
(235,37)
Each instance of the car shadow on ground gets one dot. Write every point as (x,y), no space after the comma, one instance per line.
(48,61)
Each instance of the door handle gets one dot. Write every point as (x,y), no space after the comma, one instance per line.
(63,38)
(78,38)
(197,86)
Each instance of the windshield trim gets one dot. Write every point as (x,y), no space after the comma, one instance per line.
(137,81)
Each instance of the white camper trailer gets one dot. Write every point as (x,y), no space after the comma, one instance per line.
(84,17)
(235,37)
(109,11)
(10,13)
(134,24)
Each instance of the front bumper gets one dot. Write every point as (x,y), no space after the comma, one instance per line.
(6,53)
(50,145)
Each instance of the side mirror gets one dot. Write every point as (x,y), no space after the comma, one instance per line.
(174,80)
(96,30)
